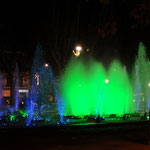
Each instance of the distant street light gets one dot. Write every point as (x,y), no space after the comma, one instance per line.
(46,65)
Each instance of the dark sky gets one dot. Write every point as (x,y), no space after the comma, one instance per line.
(109,28)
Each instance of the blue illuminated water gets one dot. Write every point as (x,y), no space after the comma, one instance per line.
(1,89)
(36,68)
(16,89)
(59,105)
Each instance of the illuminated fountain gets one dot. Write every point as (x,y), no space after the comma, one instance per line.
(59,104)
(36,68)
(119,92)
(142,80)
(42,87)
(1,88)
(87,89)
(97,86)
(16,88)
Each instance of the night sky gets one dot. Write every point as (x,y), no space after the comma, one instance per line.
(111,29)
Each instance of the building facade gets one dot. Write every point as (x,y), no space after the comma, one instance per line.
(23,86)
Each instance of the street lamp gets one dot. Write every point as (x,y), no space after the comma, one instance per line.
(77,51)
(78,48)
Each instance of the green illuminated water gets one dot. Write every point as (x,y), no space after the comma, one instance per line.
(88,89)
(97,77)
(141,77)
(75,89)
(118,92)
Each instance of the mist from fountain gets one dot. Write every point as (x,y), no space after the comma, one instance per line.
(38,61)
(59,104)
(119,92)
(43,86)
(16,88)
(1,89)
(88,89)
(142,80)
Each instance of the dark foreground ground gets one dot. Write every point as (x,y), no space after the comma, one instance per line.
(130,136)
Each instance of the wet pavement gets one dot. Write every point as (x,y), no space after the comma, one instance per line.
(75,138)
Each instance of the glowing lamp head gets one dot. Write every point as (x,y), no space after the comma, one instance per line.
(78,48)
(149,84)
(46,65)
(106,81)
